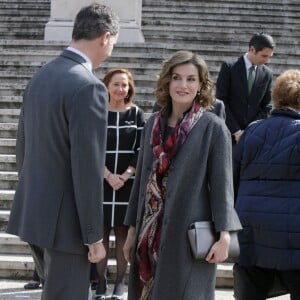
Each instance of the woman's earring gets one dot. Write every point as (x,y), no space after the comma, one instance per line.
(198,93)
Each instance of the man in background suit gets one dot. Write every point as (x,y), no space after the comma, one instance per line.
(244,104)
(61,145)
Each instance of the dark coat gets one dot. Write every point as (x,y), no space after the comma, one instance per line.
(60,155)
(241,107)
(267,181)
(199,186)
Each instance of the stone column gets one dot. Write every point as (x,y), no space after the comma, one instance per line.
(63,12)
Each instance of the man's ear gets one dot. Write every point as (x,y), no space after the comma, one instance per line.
(104,38)
(252,49)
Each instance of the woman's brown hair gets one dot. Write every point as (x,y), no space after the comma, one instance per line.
(205,96)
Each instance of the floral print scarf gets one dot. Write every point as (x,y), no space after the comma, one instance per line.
(164,151)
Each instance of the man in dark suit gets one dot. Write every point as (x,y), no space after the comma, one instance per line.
(245,85)
(60,156)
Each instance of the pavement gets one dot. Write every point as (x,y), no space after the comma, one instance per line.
(13,290)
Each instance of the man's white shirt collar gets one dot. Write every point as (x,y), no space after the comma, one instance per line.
(87,63)
(248,63)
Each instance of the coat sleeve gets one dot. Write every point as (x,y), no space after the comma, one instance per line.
(133,204)
(220,181)
(87,132)
(20,143)
(223,93)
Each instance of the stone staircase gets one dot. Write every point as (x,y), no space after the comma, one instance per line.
(218,30)
(23,19)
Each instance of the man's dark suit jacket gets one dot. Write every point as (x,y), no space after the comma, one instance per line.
(61,145)
(232,88)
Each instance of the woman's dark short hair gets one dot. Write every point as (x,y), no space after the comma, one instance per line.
(180,58)
(260,41)
(286,91)
(93,21)
(108,76)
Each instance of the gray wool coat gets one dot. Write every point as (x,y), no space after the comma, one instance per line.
(199,186)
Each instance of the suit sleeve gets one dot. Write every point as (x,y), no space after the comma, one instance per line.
(237,160)
(87,131)
(223,93)
(265,105)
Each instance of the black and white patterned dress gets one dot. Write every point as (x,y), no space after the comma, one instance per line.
(123,143)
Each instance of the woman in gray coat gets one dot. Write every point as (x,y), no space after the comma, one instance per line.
(184,174)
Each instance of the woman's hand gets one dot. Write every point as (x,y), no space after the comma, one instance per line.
(115,181)
(125,176)
(128,173)
(129,243)
(219,250)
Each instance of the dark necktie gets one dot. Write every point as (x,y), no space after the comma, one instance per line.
(251,77)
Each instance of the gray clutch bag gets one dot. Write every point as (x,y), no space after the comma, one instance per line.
(202,236)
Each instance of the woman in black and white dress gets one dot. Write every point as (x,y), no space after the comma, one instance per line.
(125,124)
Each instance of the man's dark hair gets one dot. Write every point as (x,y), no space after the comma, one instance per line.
(94,20)
(261,40)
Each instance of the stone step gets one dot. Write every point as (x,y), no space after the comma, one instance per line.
(183,37)
(7,145)
(16,266)
(9,115)
(11,244)
(235,4)
(10,99)
(220,32)
(142,93)
(16,89)
(30,34)
(32,44)
(7,26)
(250,17)
(30,5)
(123,51)
(8,180)
(18,64)
(25,12)
(8,163)
(4,217)
(21,266)
(23,76)
(6,199)
(31,50)
(15,103)
(26,1)
(258,4)
(8,130)
(23,64)
(16,20)
(207,9)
